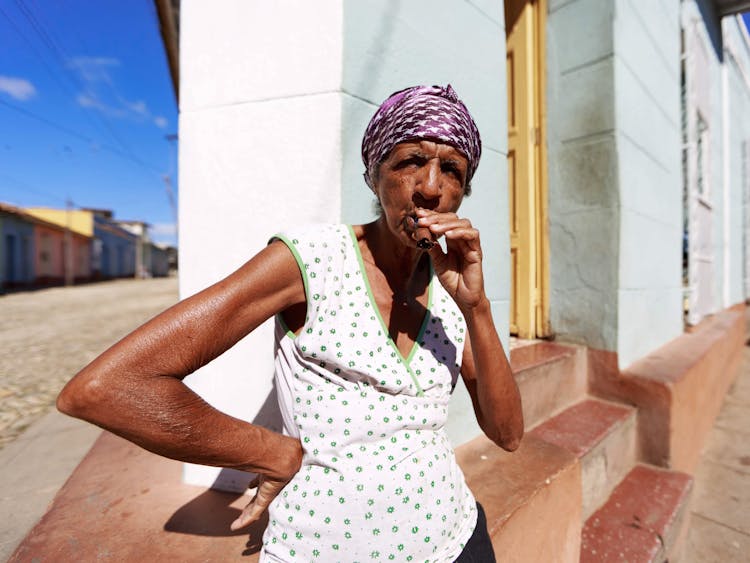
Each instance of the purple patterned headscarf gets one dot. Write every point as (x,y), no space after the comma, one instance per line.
(421,112)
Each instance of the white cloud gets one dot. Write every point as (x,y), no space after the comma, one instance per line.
(138,107)
(161,122)
(102,94)
(94,69)
(18,88)
(91,100)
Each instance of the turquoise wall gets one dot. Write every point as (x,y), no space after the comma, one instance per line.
(615,176)
(583,172)
(391,45)
(650,190)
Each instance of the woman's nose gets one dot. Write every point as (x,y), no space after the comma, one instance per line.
(429,186)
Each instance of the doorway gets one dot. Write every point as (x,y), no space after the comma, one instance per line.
(527,175)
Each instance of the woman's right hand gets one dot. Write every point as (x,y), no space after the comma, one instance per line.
(269,487)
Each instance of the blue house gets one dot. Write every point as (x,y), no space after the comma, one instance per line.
(16,247)
(114,247)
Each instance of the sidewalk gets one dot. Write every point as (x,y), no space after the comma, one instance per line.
(720,519)
(36,464)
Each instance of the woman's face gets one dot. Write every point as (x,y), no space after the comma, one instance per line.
(418,174)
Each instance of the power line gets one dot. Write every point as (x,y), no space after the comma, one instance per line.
(81,136)
(62,58)
(26,186)
(43,60)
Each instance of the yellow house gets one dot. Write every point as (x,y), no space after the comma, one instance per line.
(113,251)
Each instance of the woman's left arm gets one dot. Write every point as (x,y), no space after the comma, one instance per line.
(490,382)
(485,368)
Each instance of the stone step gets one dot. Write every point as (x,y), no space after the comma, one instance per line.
(550,377)
(603,436)
(644,519)
(126,504)
(532,498)
(678,388)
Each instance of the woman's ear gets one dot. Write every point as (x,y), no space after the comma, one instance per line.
(368,181)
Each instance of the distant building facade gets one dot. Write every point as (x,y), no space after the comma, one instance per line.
(113,248)
(37,252)
(61,256)
(47,246)
(18,246)
(151,259)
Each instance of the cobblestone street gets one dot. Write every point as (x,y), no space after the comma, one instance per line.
(46,336)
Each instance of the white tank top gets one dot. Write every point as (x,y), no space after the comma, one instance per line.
(379,480)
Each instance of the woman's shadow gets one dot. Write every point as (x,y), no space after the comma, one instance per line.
(211,513)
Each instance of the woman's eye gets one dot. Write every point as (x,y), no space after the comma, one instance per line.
(453,170)
(411,161)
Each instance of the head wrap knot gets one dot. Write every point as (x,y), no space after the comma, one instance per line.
(421,112)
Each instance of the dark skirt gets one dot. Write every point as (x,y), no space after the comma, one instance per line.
(479,547)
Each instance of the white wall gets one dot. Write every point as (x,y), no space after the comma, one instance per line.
(260,130)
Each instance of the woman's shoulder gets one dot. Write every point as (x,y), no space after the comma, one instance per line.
(313,233)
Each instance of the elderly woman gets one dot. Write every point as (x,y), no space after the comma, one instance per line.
(374,324)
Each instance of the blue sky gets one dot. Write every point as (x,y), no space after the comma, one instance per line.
(86,101)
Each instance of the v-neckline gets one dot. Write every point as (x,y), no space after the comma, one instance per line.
(374,303)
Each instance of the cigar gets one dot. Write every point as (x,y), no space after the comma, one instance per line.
(422,235)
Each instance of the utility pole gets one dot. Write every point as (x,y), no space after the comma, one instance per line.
(172,138)
(139,265)
(68,244)
(172,202)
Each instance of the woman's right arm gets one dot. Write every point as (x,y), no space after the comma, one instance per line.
(135,388)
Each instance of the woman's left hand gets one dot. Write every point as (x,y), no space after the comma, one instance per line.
(460,268)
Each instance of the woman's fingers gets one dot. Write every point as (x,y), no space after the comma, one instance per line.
(268,489)
(439,223)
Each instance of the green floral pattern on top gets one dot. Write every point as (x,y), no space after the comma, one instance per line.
(379,479)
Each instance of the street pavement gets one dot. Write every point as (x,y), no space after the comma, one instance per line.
(46,336)
(720,515)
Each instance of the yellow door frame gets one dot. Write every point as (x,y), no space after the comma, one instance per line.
(528,201)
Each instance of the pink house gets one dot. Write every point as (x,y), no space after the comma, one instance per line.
(50,256)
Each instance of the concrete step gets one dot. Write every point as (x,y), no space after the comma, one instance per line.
(532,498)
(126,504)
(603,436)
(678,388)
(644,520)
(550,377)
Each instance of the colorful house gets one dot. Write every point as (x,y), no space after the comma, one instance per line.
(38,252)
(17,250)
(151,260)
(62,256)
(159,259)
(113,249)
